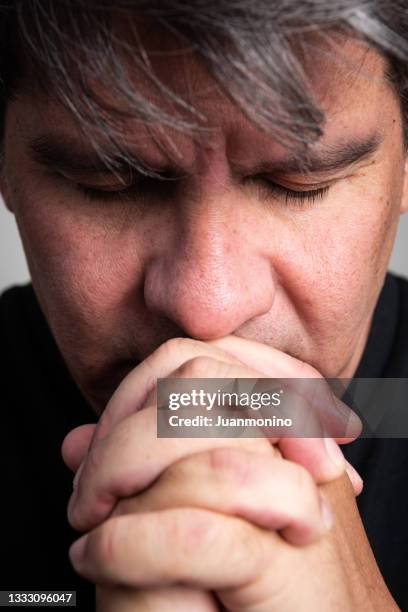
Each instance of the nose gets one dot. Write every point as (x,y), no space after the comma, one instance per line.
(214,276)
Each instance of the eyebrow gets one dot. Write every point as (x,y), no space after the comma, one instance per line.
(66,155)
(329,158)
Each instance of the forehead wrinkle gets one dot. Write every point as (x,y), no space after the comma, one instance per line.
(225,119)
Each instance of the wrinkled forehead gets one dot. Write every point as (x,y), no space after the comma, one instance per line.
(154,85)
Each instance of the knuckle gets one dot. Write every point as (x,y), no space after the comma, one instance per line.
(303,482)
(191,533)
(303,507)
(172,345)
(91,467)
(198,367)
(177,346)
(93,461)
(95,489)
(308,371)
(104,546)
(231,464)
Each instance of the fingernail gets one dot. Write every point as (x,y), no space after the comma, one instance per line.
(77,550)
(326,513)
(355,478)
(352,422)
(334,452)
(354,426)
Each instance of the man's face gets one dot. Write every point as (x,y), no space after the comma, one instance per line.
(223,248)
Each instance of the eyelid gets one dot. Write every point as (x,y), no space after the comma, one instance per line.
(140,187)
(92,194)
(310,195)
(131,181)
(299,198)
(96,183)
(293,185)
(107,188)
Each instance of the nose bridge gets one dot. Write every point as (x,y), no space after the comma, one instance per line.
(211,279)
(209,237)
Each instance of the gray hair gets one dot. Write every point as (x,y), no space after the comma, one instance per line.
(247,46)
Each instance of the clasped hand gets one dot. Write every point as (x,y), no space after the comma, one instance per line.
(193,524)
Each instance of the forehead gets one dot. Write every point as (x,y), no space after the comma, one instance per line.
(164,67)
(166,72)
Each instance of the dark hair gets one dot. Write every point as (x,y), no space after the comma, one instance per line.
(247,45)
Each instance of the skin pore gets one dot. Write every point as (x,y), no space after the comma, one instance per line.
(222,248)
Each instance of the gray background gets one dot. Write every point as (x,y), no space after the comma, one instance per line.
(13,269)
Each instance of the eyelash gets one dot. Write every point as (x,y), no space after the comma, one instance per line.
(99,195)
(297,198)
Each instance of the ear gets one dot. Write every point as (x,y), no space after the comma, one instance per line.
(404,200)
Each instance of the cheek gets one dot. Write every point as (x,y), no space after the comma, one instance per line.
(87,268)
(334,271)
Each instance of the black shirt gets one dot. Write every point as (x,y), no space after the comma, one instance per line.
(40,404)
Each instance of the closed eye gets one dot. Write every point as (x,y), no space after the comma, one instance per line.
(108,195)
(164,186)
(142,186)
(297,197)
